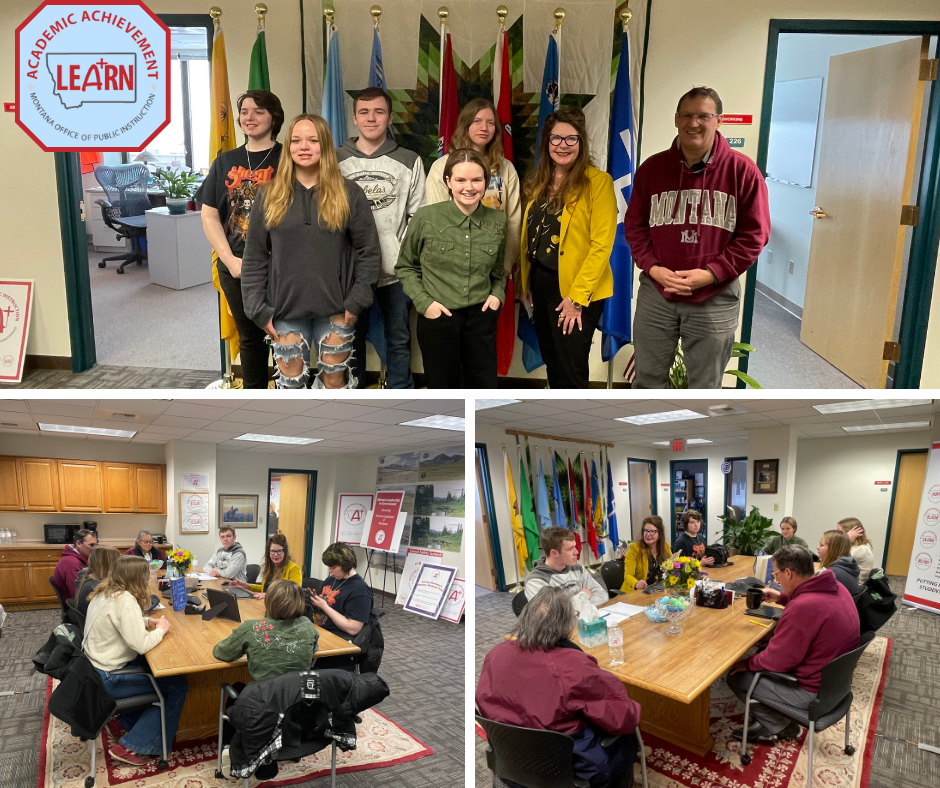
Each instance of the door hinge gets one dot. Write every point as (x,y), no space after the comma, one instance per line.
(892,352)
(81,207)
(928,70)
(910,215)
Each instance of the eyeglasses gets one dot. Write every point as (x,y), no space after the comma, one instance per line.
(145,541)
(774,574)
(701,117)
(645,532)
(276,552)
(569,142)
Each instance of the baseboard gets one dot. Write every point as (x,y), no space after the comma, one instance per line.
(47,362)
(779,300)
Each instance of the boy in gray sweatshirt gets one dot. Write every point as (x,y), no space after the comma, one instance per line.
(559,567)
(230,560)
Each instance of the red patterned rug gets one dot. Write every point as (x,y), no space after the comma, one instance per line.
(65,762)
(782,765)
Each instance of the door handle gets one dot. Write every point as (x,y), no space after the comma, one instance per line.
(817,213)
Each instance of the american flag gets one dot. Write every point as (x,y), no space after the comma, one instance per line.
(621,550)
(630,372)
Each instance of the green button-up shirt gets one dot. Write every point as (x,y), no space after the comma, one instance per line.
(452,258)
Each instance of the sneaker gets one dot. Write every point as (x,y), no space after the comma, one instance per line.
(115,729)
(120,753)
(763,736)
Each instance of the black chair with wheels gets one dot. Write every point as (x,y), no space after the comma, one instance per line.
(612,573)
(833,702)
(519,601)
(252,571)
(125,187)
(314,583)
(538,758)
(66,613)
(75,616)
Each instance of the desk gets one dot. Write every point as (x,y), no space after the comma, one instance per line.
(178,254)
(187,650)
(671,676)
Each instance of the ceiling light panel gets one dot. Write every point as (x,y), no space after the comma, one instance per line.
(869,404)
(910,425)
(258,438)
(437,423)
(486,404)
(689,442)
(69,428)
(659,418)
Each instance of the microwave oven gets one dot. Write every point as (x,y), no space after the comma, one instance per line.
(59,533)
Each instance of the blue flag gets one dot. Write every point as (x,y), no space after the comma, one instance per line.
(611,514)
(542,513)
(558,516)
(376,70)
(525,330)
(551,98)
(334,108)
(621,162)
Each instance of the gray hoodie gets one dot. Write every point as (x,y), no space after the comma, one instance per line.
(230,562)
(846,571)
(393,180)
(571,578)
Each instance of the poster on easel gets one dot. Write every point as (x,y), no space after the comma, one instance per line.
(455,602)
(351,513)
(16,309)
(384,524)
(430,590)
(414,558)
(922,589)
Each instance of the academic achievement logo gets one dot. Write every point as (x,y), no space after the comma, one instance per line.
(92,76)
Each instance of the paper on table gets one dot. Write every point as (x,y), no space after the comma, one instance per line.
(201,576)
(158,607)
(620,611)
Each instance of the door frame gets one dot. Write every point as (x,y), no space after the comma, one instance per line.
(728,476)
(672,495)
(311,503)
(486,494)
(652,464)
(922,263)
(894,490)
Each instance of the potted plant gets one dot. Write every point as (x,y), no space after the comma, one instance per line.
(179,185)
(679,376)
(749,535)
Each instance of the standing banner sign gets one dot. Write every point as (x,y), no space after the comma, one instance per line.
(351,515)
(923,578)
(384,521)
(430,590)
(16,308)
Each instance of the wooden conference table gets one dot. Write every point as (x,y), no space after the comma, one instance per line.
(186,650)
(670,676)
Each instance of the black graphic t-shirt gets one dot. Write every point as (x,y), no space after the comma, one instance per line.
(350,597)
(231,186)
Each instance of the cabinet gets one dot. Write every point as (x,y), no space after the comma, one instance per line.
(39,588)
(134,489)
(39,484)
(14,582)
(150,481)
(10,498)
(79,485)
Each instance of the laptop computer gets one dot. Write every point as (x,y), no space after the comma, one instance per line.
(765,611)
(241,593)
(220,598)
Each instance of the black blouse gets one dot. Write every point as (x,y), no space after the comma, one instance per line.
(543,235)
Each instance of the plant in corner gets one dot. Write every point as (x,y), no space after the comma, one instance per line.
(679,376)
(747,536)
(179,185)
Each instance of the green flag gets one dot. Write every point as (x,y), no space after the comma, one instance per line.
(258,68)
(528,517)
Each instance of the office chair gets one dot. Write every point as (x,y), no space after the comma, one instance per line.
(123,211)
(612,573)
(538,758)
(833,702)
(312,582)
(75,616)
(66,618)
(252,571)
(519,601)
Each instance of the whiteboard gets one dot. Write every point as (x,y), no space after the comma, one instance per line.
(794,121)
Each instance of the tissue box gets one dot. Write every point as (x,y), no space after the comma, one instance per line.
(592,634)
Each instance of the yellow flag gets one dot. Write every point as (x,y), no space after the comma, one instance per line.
(221,138)
(518,535)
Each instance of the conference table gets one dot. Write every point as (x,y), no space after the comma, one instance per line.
(670,676)
(186,650)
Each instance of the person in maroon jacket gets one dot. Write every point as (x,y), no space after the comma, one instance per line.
(697,220)
(820,623)
(541,679)
(74,559)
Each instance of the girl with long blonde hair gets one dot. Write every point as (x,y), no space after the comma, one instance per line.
(100,561)
(862,547)
(835,554)
(312,258)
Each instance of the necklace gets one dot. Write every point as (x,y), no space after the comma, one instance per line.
(251,170)
(336,587)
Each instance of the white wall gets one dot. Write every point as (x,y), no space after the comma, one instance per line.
(191,457)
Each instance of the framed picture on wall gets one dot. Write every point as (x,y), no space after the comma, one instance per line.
(765,476)
(240,511)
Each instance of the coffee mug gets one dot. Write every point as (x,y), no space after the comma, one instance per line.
(754,597)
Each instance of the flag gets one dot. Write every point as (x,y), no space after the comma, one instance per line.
(575,512)
(551,98)
(615,323)
(528,517)
(611,514)
(531,355)
(221,139)
(630,372)
(258,67)
(449,106)
(518,535)
(588,511)
(334,106)
(502,96)
(558,517)
(541,500)
(598,510)
(376,69)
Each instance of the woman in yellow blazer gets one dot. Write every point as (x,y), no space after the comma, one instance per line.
(642,563)
(277,566)
(567,236)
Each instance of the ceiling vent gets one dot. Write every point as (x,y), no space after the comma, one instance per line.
(119,415)
(9,424)
(726,409)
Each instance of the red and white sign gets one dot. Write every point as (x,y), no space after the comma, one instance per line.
(430,590)
(351,513)
(384,522)
(882,484)
(414,558)
(195,482)
(678,444)
(741,120)
(9,106)
(195,502)
(923,578)
(454,604)
(16,309)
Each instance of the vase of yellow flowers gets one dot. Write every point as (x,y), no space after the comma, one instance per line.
(679,576)
(178,562)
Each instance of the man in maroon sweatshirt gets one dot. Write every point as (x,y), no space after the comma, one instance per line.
(74,559)
(697,220)
(820,623)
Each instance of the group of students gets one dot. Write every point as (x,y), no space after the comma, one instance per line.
(112,595)
(305,242)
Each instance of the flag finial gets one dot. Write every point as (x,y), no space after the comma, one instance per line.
(502,12)
(442,14)
(329,12)
(216,13)
(261,9)
(559,17)
(625,16)
(376,12)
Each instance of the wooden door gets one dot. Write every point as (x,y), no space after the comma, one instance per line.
(14,582)
(912,469)
(39,588)
(866,170)
(119,488)
(641,500)
(11,500)
(150,484)
(79,485)
(484,573)
(39,482)
(292,515)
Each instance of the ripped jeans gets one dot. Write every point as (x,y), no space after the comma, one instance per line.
(334,351)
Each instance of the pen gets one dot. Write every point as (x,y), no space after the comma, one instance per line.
(758,623)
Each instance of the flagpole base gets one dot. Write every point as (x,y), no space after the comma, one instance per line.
(229,381)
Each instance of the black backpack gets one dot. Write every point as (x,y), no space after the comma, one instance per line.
(372,643)
(876,602)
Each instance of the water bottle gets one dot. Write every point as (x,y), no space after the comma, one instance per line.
(4,536)
(615,644)
(13,534)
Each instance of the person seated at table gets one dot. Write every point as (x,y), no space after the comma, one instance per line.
(558,567)
(861,546)
(277,566)
(835,554)
(117,634)
(542,679)
(819,623)
(145,549)
(786,536)
(74,559)
(283,641)
(100,561)
(690,542)
(642,565)
(230,560)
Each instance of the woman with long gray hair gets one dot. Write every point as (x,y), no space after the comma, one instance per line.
(145,548)
(541,679)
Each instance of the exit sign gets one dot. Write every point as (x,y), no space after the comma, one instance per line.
(678,444)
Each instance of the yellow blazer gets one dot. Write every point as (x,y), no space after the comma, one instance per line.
(291,572)
(588,229)
(636,566)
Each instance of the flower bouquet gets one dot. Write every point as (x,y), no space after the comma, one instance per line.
(179,561)
(679,576)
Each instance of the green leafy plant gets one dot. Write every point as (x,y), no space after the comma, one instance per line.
(176,183)
(749,535)
(679,376)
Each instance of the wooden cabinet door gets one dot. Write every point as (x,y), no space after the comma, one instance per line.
(39,483)
(11,500)
(151,489)
(14,582)
(39,588)
(119,487)
(79,485)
